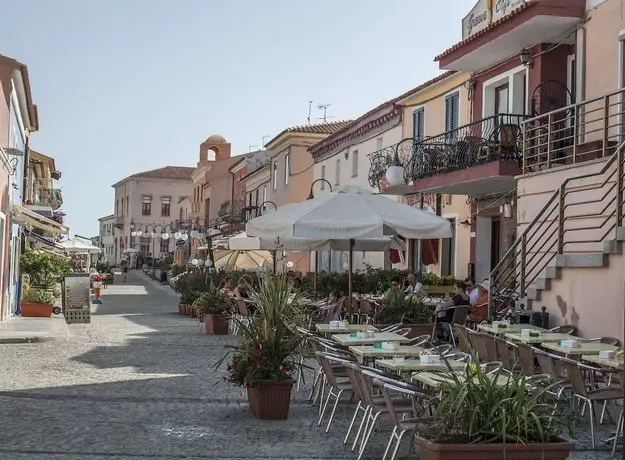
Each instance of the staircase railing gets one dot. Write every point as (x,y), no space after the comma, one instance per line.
(577,218)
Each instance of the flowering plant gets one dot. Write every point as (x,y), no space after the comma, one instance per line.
(269,341)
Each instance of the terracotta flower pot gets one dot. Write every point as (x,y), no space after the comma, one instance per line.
(271,400)
(216,324)
(36,310)
(548,451)
(187,310)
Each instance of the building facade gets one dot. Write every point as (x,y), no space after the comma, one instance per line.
(292,172)
(18,120)
(146,206)
(106,238)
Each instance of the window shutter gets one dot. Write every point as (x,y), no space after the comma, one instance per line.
(418,122)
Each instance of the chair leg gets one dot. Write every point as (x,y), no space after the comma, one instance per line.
(365,418)
(390,442)
(619,428)
(351,425)
(401,435)
(591,414)
(368,435)
(336,403)
(314,385)
(299,372)
(323,407)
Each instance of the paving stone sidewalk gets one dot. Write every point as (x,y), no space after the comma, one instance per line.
(138,382)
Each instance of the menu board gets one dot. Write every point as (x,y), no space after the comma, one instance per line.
(76,292)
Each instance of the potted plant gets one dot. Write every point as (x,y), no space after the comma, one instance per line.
(479,417)
(44,268)
(213,306)
(409,311)
(266,358)
(37,303)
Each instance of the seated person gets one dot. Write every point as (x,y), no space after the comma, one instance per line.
(445,313)
(241,291)
(414,286)
(394,290)
(472,290)
(335,306)
(227,288)
(479,312)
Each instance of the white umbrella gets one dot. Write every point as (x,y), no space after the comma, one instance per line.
(243,260)
(350,214)
(242,242)
(130,251)
(79,247)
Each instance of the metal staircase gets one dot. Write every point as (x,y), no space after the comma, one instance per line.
(581,223)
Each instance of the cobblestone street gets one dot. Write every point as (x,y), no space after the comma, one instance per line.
(138,382)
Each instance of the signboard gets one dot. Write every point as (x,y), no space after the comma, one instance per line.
(503,7)
(76,292)
(478,18)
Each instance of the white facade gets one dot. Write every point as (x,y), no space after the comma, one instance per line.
(107,238)
(350,166)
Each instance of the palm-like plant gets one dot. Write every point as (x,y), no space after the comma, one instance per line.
(269,341)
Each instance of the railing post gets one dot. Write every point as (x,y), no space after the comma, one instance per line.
(606,124)
(574,134)
(548,141)
(524,160)
(561,219)
(523,258)
(620,157)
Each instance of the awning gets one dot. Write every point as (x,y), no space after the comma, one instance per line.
(42,240)
(36,220)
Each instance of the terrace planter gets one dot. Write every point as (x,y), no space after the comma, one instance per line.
(415,329)
(439,290)
(271,400)
(216,324)
(547,451)
(36,310)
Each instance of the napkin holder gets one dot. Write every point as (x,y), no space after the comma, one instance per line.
(497,323)
(570,344)
(369,334)
(335,323)
(607,354)
(390,346)
(398,359)
(430,359)
(343,324)
(526,332)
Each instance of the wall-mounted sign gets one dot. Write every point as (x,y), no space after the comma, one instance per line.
(503,7)
(477,19)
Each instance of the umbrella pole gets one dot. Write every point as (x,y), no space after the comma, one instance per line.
(275,262)
(350,275)
(316,272)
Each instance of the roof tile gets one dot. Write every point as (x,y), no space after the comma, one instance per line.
(168,172)
(318,128)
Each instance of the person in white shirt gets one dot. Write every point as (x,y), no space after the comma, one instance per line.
(414,286)
(472,290)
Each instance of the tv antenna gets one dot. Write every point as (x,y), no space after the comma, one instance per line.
(309,110)
(263,141)
(324,108)
(253,147)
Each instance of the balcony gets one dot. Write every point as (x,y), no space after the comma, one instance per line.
(47,197)
(480,158)
(581,132)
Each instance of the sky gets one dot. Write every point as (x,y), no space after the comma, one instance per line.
(124,86)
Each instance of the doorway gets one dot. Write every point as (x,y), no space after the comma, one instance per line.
(448,252)
(495,242)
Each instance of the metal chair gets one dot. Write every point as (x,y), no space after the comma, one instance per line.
(336,387)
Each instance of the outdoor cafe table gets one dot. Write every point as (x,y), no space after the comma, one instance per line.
(327,329)
(368,351)
(512,328)
(604,362)
(542,338)
(435,380)
(414,365)
(586,348)
(348,340)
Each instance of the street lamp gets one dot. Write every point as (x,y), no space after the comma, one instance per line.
(312,195)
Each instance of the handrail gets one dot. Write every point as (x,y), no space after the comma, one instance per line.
(513,265)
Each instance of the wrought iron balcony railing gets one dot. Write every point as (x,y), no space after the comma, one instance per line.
(490,139)
(493,138)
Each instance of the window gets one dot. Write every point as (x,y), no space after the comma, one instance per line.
(287,168)
(452,105)
(337,175)
(418,124)
(146,205)
(264,193)
(164,246)
(355,162)
(379,142)
(256,202)
(275,174)
(127,205)
(448,252)
(323,176)
(165,206)
(117,208)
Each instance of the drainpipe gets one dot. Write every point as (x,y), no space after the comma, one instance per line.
(25,187)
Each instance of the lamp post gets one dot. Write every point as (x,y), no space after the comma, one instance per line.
(311,196)
(395,172)
(259,211)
